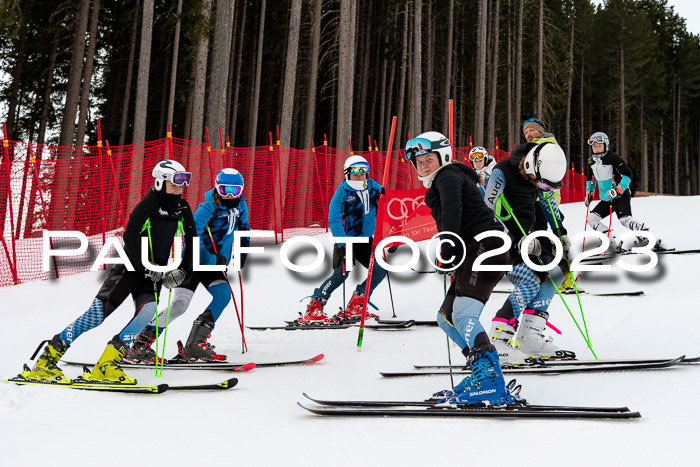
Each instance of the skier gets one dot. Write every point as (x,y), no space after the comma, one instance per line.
(158,216)
(483,163)
(458,207)
(352,213)
(525,180)
(223,212)
(613,178)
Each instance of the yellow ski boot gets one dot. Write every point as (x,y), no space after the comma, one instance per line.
(568,284)
(46,367)
(107,368)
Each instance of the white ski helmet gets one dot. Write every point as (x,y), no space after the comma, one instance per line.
(547,162)
(479,150)
(357,163)
(430,141)
(599,138)
(171,171)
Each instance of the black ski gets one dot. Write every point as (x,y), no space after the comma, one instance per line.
(171,365)
(537,363)
(228,384)
(663,251)
(515,411)
(631,293)
(433,402)
(415,322)
(550,369)
(104,387)
(300,327)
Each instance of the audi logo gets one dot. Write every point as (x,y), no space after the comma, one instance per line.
(406,206)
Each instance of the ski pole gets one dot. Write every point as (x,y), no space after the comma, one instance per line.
(449,352)
(609,226)
(391,295)
(244,345)
(588,208)
(503,202)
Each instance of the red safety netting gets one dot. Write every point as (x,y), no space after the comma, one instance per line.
(93,189)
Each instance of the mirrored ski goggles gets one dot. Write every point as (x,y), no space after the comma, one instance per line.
(417,147)
(531,120)
(596,140)
(230,190)
(546,185)
(477,156)
(180,178)
(356,169)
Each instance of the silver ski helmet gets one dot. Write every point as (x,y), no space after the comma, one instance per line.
(599,138)
(171,171)
(430,141)
(547,162)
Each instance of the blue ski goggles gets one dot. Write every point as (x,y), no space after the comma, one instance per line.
(356,169)
(229,190)
(180,178)
(419,146)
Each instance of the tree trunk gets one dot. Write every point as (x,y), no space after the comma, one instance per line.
(313,73)
(200,76)
(491,139)
(346,71)
(76,69)
(660,164)
(141,104)
(519,74)
(540,64)
(447,87)
(584,137)
(402,80)
(570,91)
(644,172)
(173,67)
(87,74)
(480,104)
(216,97)
(417,67)
(366,53)
(290,75)
(676,142)
(623,105)
(129,75)
(47,93)
(237,85)
(509,82)
(427,110)
(12,102)
(253,120)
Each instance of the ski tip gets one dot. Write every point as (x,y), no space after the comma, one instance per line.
(160,389)
(246,367)
(229,383)
(315,359)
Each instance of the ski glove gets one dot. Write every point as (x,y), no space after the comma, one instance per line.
(155,276)
(566,244)
(534,248)
(174,278)
(221,260)
(615,192)
(588,198)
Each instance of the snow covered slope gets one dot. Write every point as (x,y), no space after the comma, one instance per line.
(258,422)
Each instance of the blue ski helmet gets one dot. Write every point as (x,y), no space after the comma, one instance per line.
(229,182)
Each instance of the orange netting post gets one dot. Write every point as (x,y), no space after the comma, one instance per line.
(320,186)
(228,152)
(116,186)
(171,149)
(274,199)
(102,185)
(279,184)
(221,140)
(211,166)
(8,167)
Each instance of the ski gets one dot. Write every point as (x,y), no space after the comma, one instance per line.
(104,387)
(414,322)
(295,326)
(631,293)
(228,384)
(516,411)
(663,251)
(536,363)
(549,369)
(434,402)
(226,366)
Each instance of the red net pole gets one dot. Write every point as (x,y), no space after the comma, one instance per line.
(324,186)
(43,205)
(369,143)
(211,166)
(221,140)
(320,186)
(274,198)
(102,185)
(279,183)
(171,148)
(116,186)
(451,128)
(228,153)
(8,169)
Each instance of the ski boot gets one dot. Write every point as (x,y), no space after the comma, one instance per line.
(45,368)
(502,337)
(197,347)
(485,386)
(141,351)
(107,368)
(314,313)
(642,241)
(568,284)
(531,338)
(353,312)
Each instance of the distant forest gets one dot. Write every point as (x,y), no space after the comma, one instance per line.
(343,68)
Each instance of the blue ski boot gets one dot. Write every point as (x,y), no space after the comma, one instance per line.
(485,386)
